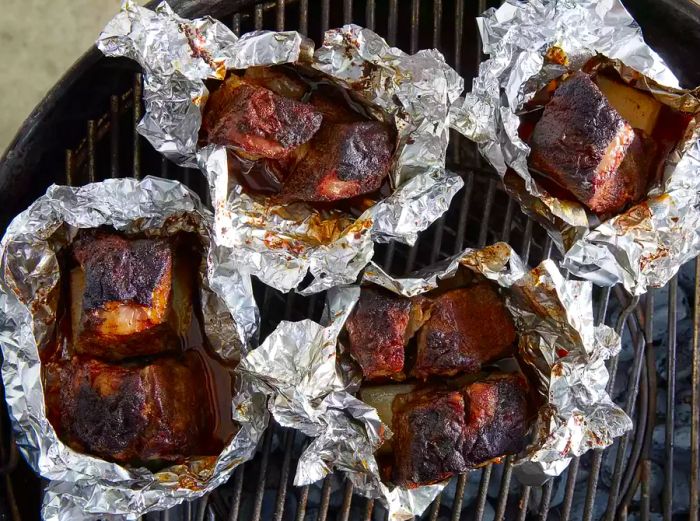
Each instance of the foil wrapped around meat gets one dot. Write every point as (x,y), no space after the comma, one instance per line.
(529,44)
(82,486)
(305,369)
(283,243)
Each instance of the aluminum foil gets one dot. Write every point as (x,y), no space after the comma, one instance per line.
(82,486)
(557,339)
(282,244)
(645,245)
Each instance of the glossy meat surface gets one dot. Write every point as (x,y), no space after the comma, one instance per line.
(467,328)
(343,160)
(439,433)
(257,121)
(498,418)
(379,328)
(430,432)
(129,297)
(580,142)
(131,413)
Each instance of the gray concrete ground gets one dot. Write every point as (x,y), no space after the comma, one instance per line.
(39,40)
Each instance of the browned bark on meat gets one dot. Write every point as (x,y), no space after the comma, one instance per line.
(467,329)
(256,121)
(439,433)
(379,328)
(129,297)
(343,160)
(581,141)
(131,413)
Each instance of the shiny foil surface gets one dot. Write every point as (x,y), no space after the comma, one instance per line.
(82,486)
(281,244)
(312,390)
(641,247)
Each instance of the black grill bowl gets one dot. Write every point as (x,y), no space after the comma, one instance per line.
(84,131)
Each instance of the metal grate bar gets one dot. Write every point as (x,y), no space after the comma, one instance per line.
(598,453)
(114,136)
(464,212)
(695,404)
(303,499)
(260,489)
(415,22)
(569,491)
(325,500)
(393,22)
(136,145)
(279,15)
(258,17)
(91,150)
(503,491)
(524,502)
(670,400)
(622,443)
(490,195)
(304,17)
(284,474)
(483,492)
(347,499)
(369,13)
(462,481)
(545,501)
(325,14)
(369,507)
(347,11)
(437,23)
(236,25)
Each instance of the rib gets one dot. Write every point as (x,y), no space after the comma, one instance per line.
(131,413)
(429,437)
(498,418)
(440,432)
(379,328)
(256,121)
(467,329)
(580,142)
(129,297)
(343,160)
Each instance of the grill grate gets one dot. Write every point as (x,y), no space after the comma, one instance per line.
(482,213)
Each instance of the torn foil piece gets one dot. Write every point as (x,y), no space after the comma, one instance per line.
(645,245)
(83,486)
(558,340)
(282,245)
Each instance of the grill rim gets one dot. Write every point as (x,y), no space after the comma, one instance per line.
(201,507)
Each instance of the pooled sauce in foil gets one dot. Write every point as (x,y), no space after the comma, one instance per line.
(262,176)
(219,379)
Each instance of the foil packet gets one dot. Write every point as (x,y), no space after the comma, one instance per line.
(283,244)
(532,43)
(312,389)
(82,486)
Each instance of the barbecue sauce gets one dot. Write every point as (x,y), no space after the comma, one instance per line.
(262,176)
(219,373)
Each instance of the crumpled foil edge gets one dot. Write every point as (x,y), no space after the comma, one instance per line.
(645,245)
(558,340)
(281,245)
(82,486)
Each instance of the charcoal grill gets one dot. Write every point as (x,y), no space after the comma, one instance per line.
(84,131)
